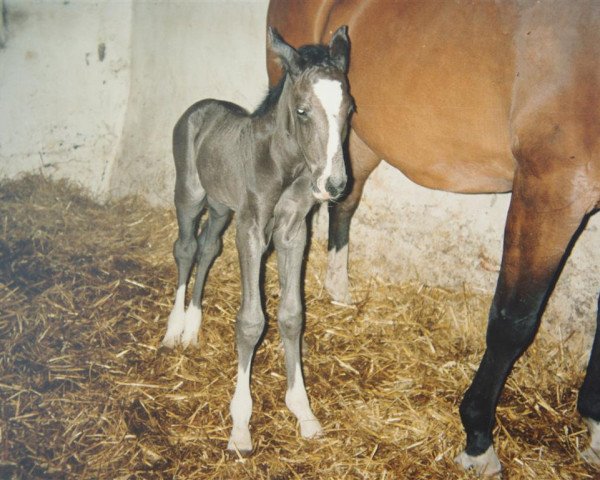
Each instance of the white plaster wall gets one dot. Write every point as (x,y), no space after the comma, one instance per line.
(183,52)
(62,101)
(107,124)
(404,231)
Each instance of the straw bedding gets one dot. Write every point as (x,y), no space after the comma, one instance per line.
(86,392)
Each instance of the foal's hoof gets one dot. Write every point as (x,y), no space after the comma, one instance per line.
(170,340)
(311,429)
(591,456)
(189,339)
(240,443)
(485,464)
(193,320)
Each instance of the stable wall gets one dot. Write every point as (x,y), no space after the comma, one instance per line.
(91,91)
(64,84)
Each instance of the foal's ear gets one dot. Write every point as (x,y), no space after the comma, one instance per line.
(339,48)
(288,56)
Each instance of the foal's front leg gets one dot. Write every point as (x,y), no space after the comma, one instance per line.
(250,323)
(290,243)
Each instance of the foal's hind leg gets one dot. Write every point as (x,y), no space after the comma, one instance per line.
(546,211)
(290,244)
(589,398)
(209,247)
(363,161)
(188,210)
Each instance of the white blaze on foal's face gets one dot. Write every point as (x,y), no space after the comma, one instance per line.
(330,95)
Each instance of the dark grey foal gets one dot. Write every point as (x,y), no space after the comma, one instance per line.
(270,167)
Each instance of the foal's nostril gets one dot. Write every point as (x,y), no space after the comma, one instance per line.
(335,188)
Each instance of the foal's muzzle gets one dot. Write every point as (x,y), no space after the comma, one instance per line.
(331,190)
(335,188)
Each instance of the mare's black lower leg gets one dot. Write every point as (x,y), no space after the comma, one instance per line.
(537,235)
(511,328)
(209,246)
(589,397)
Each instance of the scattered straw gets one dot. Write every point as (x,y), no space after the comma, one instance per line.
(86,392)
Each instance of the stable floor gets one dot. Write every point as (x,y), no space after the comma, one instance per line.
(87,392)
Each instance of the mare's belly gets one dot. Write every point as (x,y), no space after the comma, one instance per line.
(433,87)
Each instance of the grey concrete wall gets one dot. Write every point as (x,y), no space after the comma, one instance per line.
(91,91)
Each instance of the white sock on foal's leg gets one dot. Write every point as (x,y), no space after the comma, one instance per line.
(192,322)
(241,411)
(176,322)
(296,400)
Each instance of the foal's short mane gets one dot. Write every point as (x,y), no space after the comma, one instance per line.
(310,56)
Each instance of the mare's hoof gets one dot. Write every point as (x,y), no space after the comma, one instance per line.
(337,288)
(591,456)
(485,464)
(339,296)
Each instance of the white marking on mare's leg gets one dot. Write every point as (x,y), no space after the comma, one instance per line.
(176,322)
(241,411)
(297,401)
(592,453)
(485,464)
(329,93)
(193,320)
(336,281)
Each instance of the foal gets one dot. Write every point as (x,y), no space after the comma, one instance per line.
(270,167)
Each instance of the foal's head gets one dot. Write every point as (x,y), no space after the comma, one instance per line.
(318,106)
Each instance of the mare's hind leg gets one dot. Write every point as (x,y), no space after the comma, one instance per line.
(363,161)
(589,398)
(209,246)
(546,211)
(188,209)
(290,242)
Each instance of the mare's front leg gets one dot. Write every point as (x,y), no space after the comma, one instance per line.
(289,238)
(589,398)
(251,241)
(546,211)
(363,161)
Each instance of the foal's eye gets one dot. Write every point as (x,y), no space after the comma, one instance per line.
(301,112)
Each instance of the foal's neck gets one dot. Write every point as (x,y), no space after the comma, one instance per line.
(274,123)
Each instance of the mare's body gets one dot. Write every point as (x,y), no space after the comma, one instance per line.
(477,96)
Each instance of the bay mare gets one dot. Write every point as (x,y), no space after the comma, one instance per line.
(477,97)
